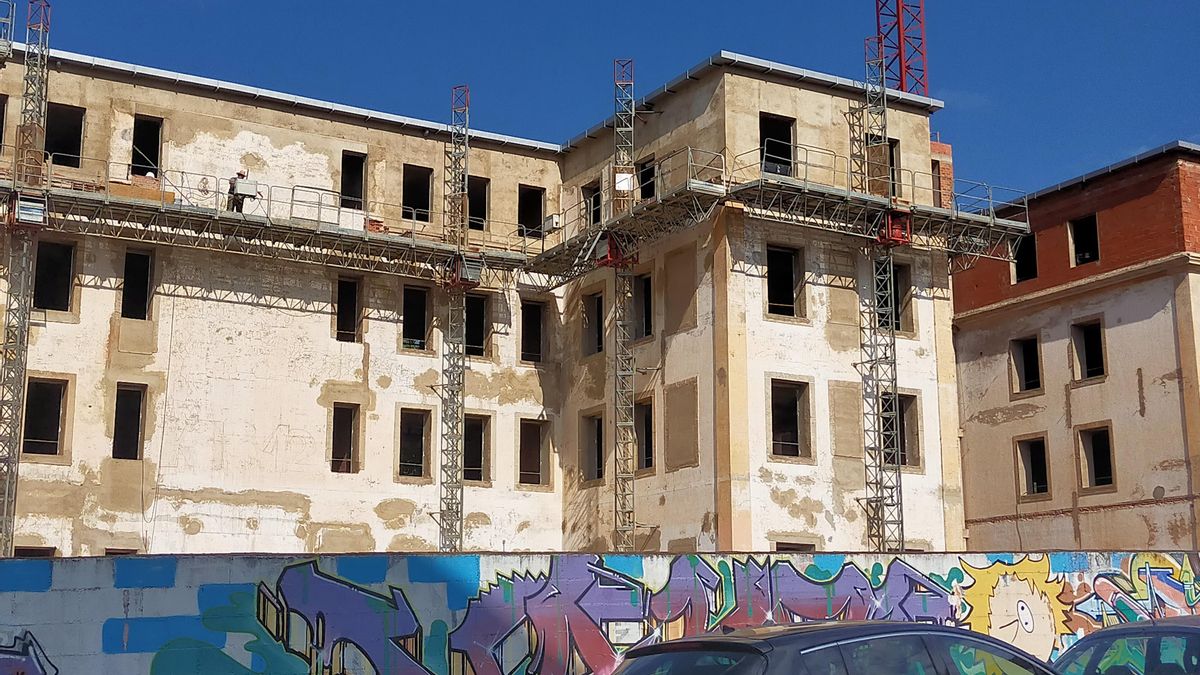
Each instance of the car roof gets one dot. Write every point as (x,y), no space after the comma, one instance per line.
(1187,624)
(799,636)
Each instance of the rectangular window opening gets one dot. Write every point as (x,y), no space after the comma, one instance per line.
(35,552)
(1097,457)
(533,452)
(775,135)
(531,207)
(789,419)
(478,192)
(592,203)
(593,324)
(349,311)
(414,435)
(127,427)
(64,134)
(120,551)
(532,316)
(416,317)
(344,455)
(54,276)
(135,288)
(906,441)
(1035,469)
(475,447)
(417,192)
(643,306)
(354,180)
(784,281)
(478,325)
(647,172)
(935,170)
(1027,364)
(147,146)
(44,404)
(593,447)
(1088,344)
(1085,239)
(1025,258)
(643,420)
(793,547)
(900,317)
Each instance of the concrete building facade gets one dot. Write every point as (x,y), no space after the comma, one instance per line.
(1077,366)
(192,401)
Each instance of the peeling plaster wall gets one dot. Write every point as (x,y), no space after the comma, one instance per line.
(1141,395)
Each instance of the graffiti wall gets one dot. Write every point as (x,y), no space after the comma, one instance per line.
(546,614)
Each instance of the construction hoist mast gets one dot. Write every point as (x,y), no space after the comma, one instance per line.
(622,255)
(26,215)
(461,274)
(872,163)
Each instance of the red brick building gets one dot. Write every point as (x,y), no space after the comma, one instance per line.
(1078,367)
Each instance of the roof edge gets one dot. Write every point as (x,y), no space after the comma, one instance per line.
(1179,146)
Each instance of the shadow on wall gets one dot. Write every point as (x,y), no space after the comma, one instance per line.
(550,614)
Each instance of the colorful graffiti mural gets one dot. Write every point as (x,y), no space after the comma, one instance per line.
(544,614)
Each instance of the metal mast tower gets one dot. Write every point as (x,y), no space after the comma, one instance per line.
(26,215)
(622,256)
(884,500)
(901,27)
(459,276)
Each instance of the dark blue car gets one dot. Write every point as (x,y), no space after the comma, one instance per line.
(1160,647)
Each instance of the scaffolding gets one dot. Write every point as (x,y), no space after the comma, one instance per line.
(26,215)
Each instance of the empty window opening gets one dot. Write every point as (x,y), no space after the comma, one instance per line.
(784,281)
(414,435)
(1087,340)
(935,170)
(64,134)
(349,311)
(1035,470)
(883,166)
(900,317)
(1085,239)
(120,551)
(593,447)
(54,276)
(647,172)
(1097,457)
(643,307)
(416,318)
(475,444)
(593,323)
(793,547)
(478,193)
(344,455)
(354,180)
(531,205)
(1025,258)
(532,316)
(147,145)
(135,289)
(533,446)
(44,404)
(1027,364)
(592,203)
(775,134)
(643,420)
(789,419)
(3,114)
(478,325)
(894,166)
(35,552)
(906,441)
(418,192)
(127,427)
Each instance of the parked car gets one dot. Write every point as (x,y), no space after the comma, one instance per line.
(1160,647)
(835,648)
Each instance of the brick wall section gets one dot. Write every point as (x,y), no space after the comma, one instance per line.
(943,154)
(1139,216)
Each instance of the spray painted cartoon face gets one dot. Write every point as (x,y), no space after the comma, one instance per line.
(1017,602)
(1022,617)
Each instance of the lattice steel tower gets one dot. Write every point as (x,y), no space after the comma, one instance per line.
(622,256)
(26,215)
(901,27)
(459,276)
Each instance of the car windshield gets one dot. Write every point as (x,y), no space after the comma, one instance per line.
(694,662)
(1134,655)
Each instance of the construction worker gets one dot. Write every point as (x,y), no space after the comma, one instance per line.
(235,199)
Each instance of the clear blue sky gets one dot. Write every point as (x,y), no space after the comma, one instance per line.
(1036,91)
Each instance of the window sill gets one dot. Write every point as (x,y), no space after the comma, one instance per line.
(798,320)
(1100,490)
(413,480)
(538,365)
(789,459)
(1034,498)
(487,358)
(50,460)
(591,483)
(532,487)
(1028,393)
(477,483)
(645,339)
(644,472)
(913,469)
(410,351)
(907,335)
(1089,381)
(46,316)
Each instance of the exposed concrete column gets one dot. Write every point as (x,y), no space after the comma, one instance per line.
(1187,292)
(730,430)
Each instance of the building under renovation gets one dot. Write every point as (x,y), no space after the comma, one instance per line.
(719,320)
